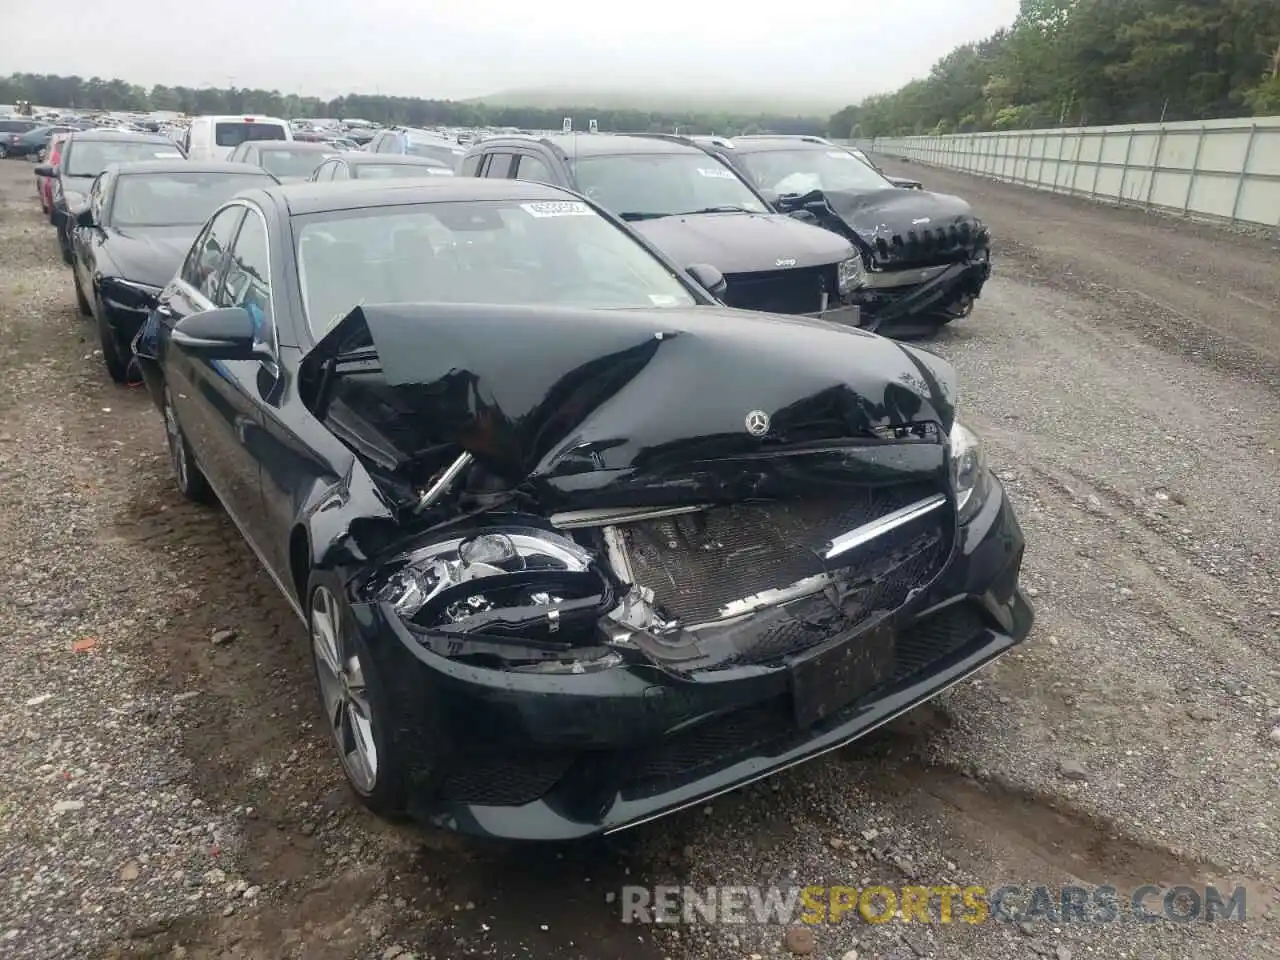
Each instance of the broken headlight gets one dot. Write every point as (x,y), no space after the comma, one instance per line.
(968,471)
(850,275)
(505,580)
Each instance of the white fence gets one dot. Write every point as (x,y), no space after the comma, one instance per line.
(1215,169)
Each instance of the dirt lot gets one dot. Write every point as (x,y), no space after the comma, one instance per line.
(164,796)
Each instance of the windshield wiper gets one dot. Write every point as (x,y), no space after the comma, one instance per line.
(723,208)
(632,215)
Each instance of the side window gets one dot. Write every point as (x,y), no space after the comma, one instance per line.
(471,165)
(248,283)
(497,165)
(203,268)
(531,168)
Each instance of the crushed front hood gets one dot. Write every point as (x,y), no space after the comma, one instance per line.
(904,227)
(535,392)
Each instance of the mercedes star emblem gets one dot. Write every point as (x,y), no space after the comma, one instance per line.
(757,423)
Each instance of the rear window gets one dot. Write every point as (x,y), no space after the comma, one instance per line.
(434,151)
(395,171)
(176,199)
(294,163)
(88,158)
(232,133)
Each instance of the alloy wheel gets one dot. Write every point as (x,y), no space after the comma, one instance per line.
(343,691)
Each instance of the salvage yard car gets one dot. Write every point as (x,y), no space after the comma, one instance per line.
(576,545)
(694,208)
(132,235)
(213,138)
(85,154)
(926,255)
(379,166)
(285,160)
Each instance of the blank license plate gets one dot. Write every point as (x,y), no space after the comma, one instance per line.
(839,673)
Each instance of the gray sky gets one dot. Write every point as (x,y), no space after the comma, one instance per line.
(837,50)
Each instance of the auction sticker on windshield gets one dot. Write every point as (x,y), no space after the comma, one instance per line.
(718,174)
(168,155)
(840,155)
(557,208)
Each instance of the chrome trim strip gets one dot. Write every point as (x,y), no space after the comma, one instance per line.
(441,486)
(602,516)
(809,756)
(890,521)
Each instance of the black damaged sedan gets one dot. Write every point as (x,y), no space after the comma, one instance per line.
(575,546)
(130,238)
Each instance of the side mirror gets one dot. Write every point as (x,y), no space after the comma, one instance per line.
(84,218)
(46,170)
(709,278)
(226,333)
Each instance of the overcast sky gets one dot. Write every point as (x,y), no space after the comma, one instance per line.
(837,49)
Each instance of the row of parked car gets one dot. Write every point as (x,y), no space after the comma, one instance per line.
(576,543)
(793,225)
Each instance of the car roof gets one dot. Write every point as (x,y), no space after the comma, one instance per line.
(118,136)
(596,144)
(185,166)
(304,198)
(403,159)
(291,145)
(759,144)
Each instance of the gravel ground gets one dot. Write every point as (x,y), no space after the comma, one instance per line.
(168,796)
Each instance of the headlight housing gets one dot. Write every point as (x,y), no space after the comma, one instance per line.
(969,474)
(850,275)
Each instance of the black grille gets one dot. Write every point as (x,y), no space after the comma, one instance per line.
(697,563)
(505,779)
(924,246)
(770,728)
(797,290)
(878,581)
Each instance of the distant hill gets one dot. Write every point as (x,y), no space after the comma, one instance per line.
(661,100)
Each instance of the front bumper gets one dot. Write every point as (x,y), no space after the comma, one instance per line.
(555,757)
(126,308)
(945,297)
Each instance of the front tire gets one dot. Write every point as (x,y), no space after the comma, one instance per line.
(64,243)
(82,302)
(353,700)
(113,358)
(186,473)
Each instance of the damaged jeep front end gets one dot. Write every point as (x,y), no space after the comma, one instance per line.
(926,257)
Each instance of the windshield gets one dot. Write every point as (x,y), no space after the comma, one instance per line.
(294,163)
(801,171)
(234,133)
(88,158)
(499,252)
(659,185)
(176,199)
(394,171)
